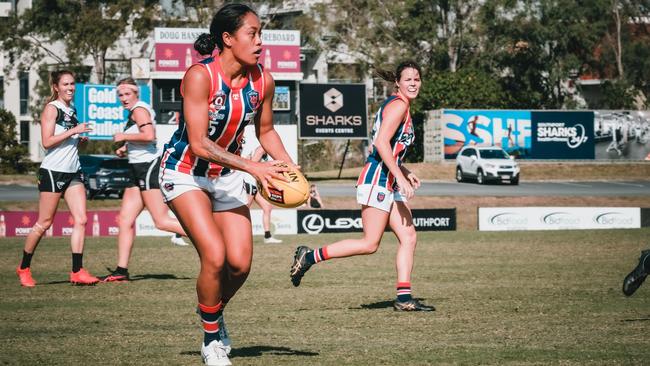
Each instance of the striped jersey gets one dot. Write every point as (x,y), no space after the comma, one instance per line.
(375,172)
(140,152)
(63,157)
(230,110)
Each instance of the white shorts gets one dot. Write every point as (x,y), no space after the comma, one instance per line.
(378,197)
(227,192)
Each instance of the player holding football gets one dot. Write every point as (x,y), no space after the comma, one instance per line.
(383,189)
(199,174)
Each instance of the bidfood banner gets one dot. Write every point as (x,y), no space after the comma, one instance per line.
(562,135)
(331,111)
(509,129)
(346,221)
(558,218)
(99,106)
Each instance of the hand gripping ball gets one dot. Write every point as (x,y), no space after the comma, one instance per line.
(290,194)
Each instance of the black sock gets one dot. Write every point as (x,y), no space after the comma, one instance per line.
(77,262)
(121,270)
(646,263)
(27,260)
(267,234)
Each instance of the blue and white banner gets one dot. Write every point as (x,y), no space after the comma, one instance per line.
(562,135)
(509,129)
(99,106)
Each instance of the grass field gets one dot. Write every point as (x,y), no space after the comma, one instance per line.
(531,298)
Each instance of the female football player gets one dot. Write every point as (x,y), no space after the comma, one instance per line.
(60,175)
(139,144)
(200,172)
(383,189)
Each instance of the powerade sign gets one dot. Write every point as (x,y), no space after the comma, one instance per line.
(347,221)
(99,106)
(333,111)
(563,135)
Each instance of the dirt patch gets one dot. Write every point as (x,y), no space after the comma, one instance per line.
(583,171)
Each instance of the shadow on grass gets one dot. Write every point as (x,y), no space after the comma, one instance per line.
(637,320)
(160,276)
(379,305)
(257,351)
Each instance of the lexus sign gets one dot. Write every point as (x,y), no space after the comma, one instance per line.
(331,111)
(346,221)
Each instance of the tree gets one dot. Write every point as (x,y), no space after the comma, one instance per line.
(11,151)
(83,28)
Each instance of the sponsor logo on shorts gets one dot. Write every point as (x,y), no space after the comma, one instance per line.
(169,186)
(381,196)
(60,185)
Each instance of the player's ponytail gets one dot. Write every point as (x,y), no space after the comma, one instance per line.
(205,44)
(55,77)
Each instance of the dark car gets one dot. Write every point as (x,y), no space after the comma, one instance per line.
(105,175)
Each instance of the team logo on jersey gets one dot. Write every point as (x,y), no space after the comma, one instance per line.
(381,196)
(253,98)
(219,100)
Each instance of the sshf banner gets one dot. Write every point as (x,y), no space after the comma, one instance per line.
(333,111)
(99,106)
(509,129)
(346,221)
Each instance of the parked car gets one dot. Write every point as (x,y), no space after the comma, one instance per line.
(486,164)
(104,175)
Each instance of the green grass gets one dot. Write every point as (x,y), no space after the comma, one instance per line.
(532,298)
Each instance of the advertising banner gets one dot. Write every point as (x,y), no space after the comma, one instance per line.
(174,51)
(20,223)
(622,135)
(99,106)
(346,221)
(333,111)
(174,48)
(509,129)
(282,99)
(557,218)
(562,135)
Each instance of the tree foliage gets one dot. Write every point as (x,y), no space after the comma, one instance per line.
(12,152)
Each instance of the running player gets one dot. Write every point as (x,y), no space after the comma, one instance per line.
(221,95)
(60,175)
(139,144)
(382,191)
(253,195)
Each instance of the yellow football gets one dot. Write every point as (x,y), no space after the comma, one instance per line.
(289,194)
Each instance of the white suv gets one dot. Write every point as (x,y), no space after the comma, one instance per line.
(486,164)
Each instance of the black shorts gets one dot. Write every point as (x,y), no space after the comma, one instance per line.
(145,175)
(57,182)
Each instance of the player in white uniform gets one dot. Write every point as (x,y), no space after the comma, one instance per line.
(59,175)
(139,138)
(250,186)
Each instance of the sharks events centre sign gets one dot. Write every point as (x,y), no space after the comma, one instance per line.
(333,111)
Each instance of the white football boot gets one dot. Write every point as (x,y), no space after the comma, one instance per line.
(214,354)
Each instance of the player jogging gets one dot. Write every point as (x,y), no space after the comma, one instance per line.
(382,191)
(221,95)
(139,137)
